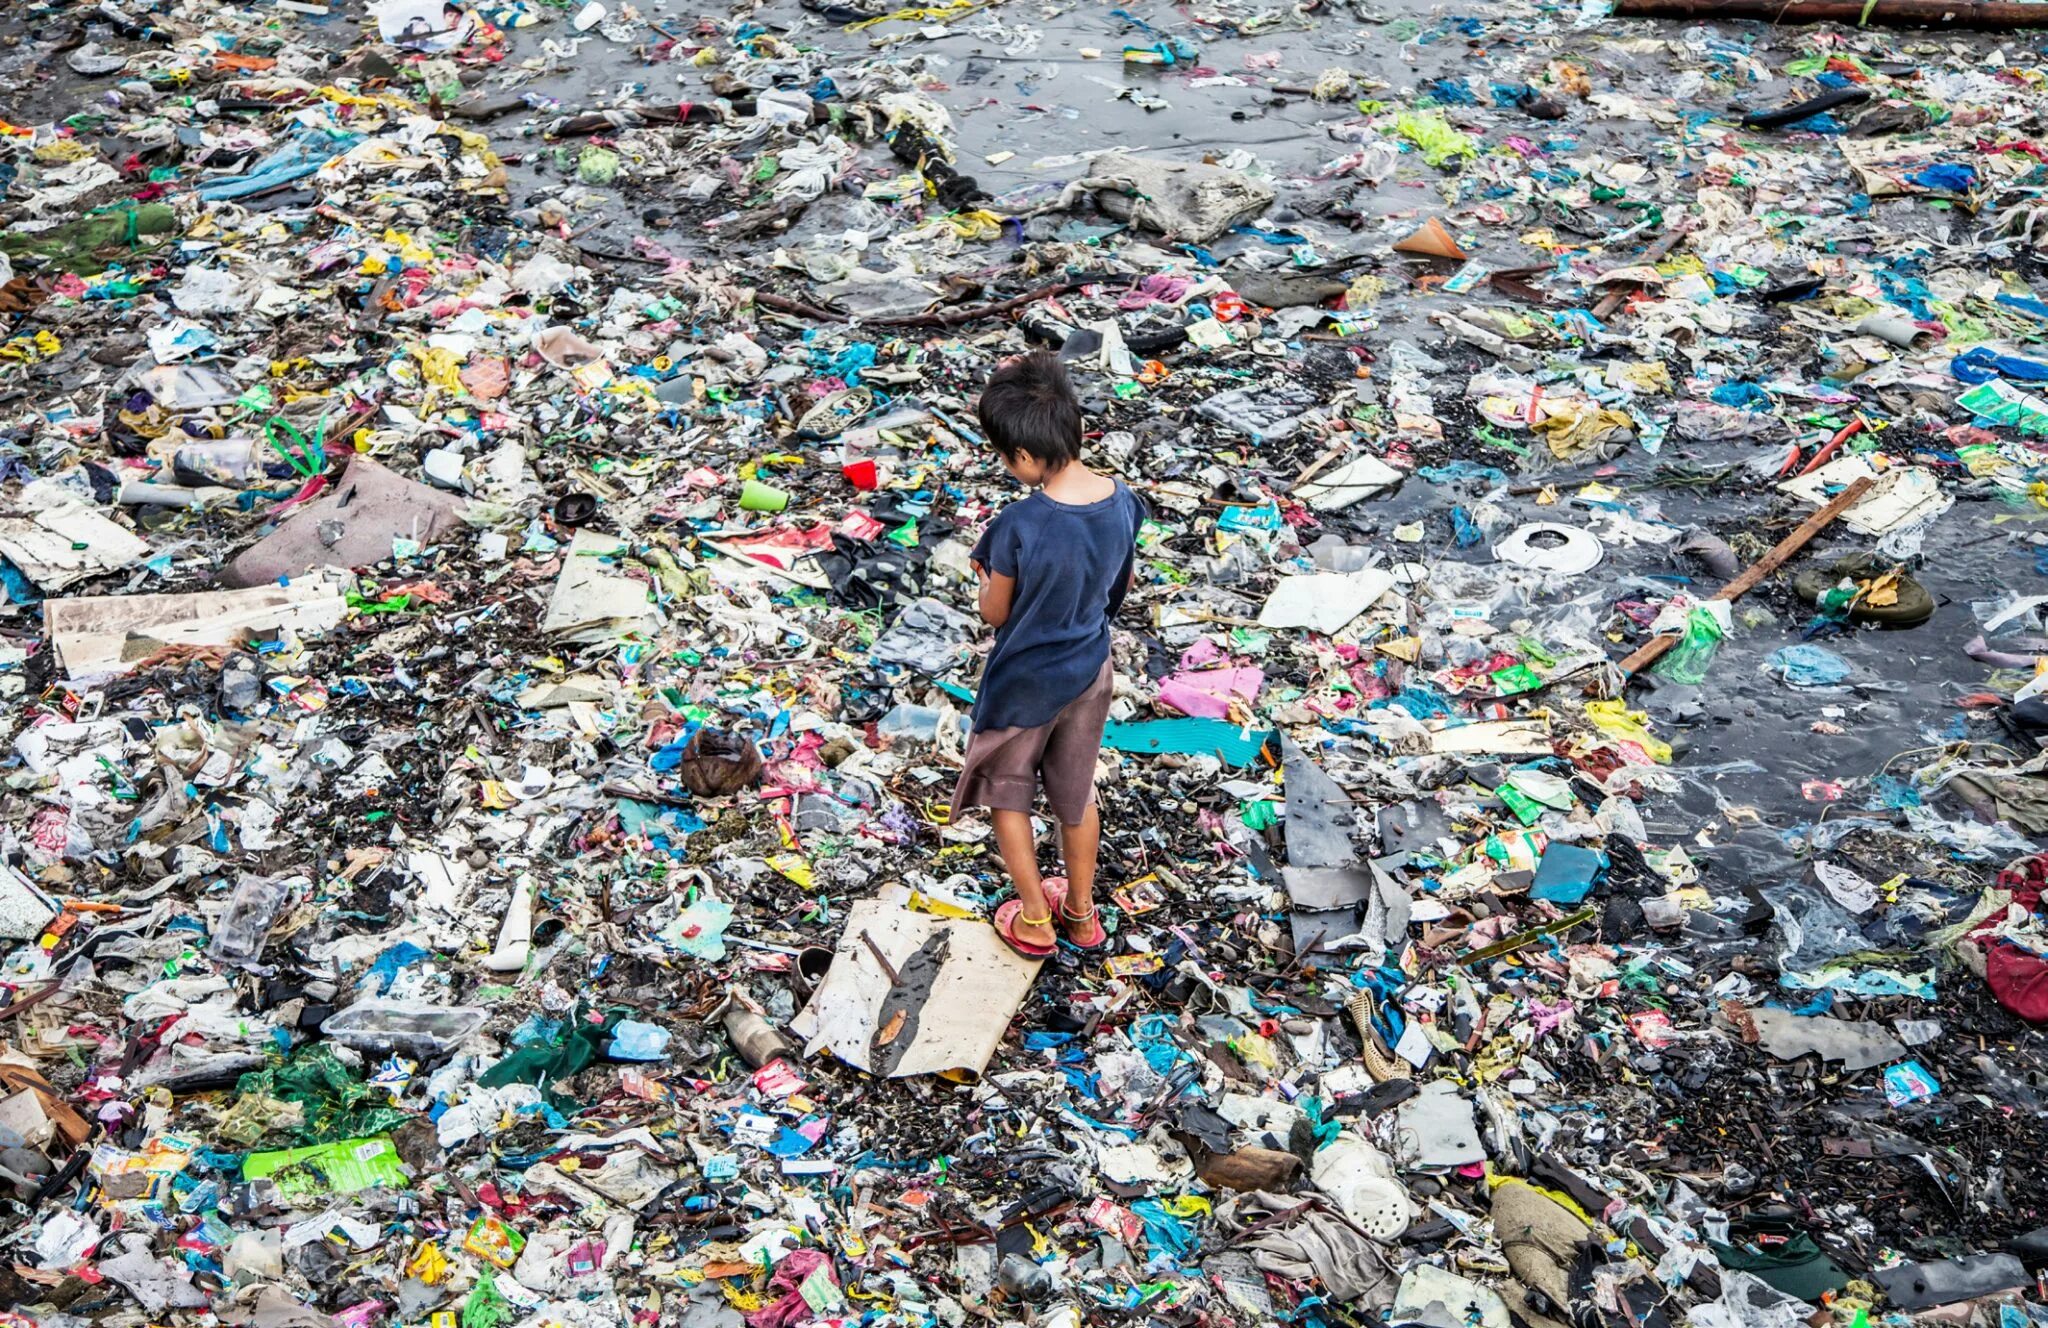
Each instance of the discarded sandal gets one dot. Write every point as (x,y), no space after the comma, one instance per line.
(1378,1062)
(1007,918)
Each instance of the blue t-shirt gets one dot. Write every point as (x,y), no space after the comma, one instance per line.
(1072,563)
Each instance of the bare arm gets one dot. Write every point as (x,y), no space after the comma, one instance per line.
(998,592)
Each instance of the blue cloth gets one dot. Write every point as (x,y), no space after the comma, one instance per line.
(1746,396)
(299,156)
(2024,305)
(1948,177)
(1072,564)
(1982,364)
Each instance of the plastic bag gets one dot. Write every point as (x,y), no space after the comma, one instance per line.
(1692,658)
(634,1040)
(1433,135)
(597,166)
(1809,666)
(336,1104)
(1618,722)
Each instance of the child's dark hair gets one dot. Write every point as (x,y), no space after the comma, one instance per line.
(1030,407)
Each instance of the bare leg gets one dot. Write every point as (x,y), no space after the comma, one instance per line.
(1079,845)
(1020,856)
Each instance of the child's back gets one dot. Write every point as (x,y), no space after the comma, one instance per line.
(1072,563)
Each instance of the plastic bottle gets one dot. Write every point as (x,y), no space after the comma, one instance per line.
(415,1028)
(137,493)
(515,935)
(1021,1279)
(227,461)
(251,912)
(916,722)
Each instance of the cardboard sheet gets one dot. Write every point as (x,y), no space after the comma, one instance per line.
(1492,737)
(1326,601)
(959,986)
(362,518)
(593,601)
(1320,815)
(1353,482)
(1903,495)
(55,548)
(101,636)
(1326,887)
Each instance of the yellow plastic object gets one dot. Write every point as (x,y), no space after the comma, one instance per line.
(1434,137)
(1617,721)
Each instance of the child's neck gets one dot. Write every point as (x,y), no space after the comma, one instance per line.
(1075,483)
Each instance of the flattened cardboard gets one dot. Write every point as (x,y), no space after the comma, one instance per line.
(959,986)
(101,636)
(353,524)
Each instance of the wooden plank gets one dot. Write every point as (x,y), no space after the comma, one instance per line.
(1652,650)
(1656,253)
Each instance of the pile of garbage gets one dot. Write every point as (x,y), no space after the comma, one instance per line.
(486,636)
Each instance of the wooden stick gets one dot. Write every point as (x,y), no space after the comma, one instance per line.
(954,317)
(1656,253)
(1315,467)
(782,304)
(1650,651)
(613,256)
(880,958)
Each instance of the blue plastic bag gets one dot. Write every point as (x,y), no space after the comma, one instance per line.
(1950,177)
(1810,666)
(1567,873)
(633,1040)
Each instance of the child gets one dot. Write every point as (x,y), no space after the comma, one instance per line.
(1054,567)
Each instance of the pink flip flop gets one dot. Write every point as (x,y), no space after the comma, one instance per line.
(1056,888)
(1094,915)
(1006,923)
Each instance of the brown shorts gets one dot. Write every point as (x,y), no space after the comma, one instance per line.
(1004,767)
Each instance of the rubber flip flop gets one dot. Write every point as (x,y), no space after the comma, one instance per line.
(1006,922)
(1094,916)
(1056,888)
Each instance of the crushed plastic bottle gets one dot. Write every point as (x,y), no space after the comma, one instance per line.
(413,1028)
(915,722)
(251,912)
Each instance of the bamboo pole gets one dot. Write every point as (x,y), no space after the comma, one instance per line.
(1652,650)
